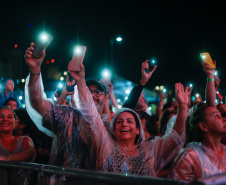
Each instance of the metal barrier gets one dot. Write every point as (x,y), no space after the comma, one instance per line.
(12,173)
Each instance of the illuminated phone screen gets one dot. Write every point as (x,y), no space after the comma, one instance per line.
(207,58)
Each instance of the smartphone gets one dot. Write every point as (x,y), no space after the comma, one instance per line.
(151,64)
(216,75)
(207,58)
(41,44)
(59,91)
(77,58)
(70,88)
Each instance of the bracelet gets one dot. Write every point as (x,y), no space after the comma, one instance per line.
(11,157)
(33,74)
(210,79)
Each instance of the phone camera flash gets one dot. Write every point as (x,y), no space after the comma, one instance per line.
(44,37)
(203,56)
(78,50)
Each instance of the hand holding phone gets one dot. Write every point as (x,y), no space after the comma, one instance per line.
(207,58)
(77,58)
(41,44)
(71,87)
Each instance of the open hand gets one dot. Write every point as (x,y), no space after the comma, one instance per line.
(181,94)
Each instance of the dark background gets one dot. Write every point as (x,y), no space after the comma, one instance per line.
(172,32)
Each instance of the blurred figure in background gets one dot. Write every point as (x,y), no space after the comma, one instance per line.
(11,103)
(8,93)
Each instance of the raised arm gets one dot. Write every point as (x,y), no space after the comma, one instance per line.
(160,104)
(65,93)
(136,91)
(182,99)
(210,85)
(91,124)
(112,97)
(35,93)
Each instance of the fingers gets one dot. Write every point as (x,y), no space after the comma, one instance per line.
(145,65)
(215,63)
(152,71)
(187,89)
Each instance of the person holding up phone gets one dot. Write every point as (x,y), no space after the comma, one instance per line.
(204,155)
(60,122)
(61,99)
(135,94)
(124,151)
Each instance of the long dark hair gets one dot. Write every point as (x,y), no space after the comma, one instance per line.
(150,123)
(193,131)
(164,119)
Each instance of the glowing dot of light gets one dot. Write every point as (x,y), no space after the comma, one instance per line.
(47,62)
(127,91)
(52,60)
(20,97)
(119,39)
(23,80)
(61,78)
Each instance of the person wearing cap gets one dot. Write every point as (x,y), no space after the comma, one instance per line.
(125,151)
(59,122)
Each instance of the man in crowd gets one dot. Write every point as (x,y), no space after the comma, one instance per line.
(68,149)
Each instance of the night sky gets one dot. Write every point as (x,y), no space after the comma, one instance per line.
(174,33)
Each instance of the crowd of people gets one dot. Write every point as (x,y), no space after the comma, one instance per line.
(184,140)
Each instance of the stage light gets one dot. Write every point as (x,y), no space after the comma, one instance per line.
(61,78)
(23,80)
(65,73)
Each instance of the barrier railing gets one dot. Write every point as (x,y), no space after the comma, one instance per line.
(47,174)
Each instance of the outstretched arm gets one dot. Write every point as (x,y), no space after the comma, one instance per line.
(37,101)
(65,93)
(182,99)
(210,85)
(136,91)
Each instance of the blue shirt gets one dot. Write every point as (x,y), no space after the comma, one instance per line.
(12,94)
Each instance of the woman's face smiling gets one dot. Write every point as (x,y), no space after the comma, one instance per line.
(7,120)
(125,128)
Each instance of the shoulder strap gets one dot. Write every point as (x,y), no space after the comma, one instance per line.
(21,139)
